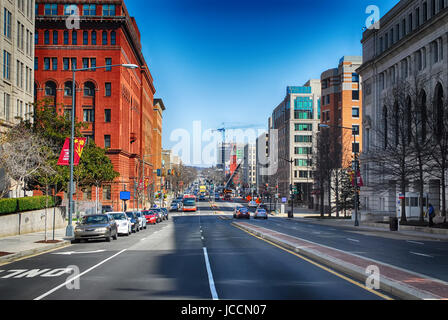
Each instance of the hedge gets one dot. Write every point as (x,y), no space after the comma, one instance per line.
(25,204)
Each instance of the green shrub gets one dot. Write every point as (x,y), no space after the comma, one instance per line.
(8,206)
(34,203)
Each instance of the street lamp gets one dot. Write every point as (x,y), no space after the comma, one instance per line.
(69,231)
(356,165)
(291,188)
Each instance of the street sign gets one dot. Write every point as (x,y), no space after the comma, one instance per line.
(284,200)
(125,195)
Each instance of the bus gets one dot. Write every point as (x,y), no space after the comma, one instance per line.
(189,203)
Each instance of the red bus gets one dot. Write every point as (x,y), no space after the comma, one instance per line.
(189,203)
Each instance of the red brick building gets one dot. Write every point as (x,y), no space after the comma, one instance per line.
(117,103)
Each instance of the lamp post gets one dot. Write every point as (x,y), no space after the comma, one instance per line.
(291,188)
(69,230)
(356,166)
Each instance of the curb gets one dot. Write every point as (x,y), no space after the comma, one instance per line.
(32,252)
(387,285)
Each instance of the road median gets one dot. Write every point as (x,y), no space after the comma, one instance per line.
(393,280)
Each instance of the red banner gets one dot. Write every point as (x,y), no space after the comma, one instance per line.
(64,158)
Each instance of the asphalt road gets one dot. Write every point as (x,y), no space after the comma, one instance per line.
(191,256)
(427,257)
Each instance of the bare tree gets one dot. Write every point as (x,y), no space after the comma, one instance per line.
(391,156)
(323,165)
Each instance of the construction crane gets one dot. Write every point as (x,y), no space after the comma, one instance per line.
(223,132)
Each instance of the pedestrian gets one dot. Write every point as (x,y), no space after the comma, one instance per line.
(431,215)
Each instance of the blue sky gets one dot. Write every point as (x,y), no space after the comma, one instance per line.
(231,60)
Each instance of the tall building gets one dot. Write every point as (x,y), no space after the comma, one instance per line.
(262,154)
(116,103)
(410,46)
(341,105)
(249,178)
(17,72)
(297,120)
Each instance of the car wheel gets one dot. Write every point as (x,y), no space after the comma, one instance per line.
(108,239)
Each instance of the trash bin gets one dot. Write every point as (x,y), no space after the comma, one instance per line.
(393,223)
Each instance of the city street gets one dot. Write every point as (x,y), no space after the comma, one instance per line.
(190,256)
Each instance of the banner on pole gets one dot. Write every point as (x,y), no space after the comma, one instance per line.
(64,158)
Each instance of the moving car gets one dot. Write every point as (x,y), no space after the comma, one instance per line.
(261,214)
(96,226)
(123,223)
(241,213)
(135,226)
(174,205)
(151,216)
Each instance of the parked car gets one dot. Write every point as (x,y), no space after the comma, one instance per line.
(151,216)
(141,219)
(123,223)
(135,226)
(165,213)
(241,213)
(96,226)
(158,213)
(261,214)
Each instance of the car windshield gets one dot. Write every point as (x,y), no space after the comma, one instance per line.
(130,214)
(262,211)
(189,202)
(94,220)
(138,214)
(243,210)
(118,216)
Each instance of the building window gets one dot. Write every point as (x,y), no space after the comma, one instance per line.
(303,174)
(36,38)
(113,38)
(107,141)
(51,9)
(54,62)
(55,37)
(433,8)
(355,112)
(74,37)
(68,88)
(46,63)
(6,65)
(355,147)
(108,10)
(108,90)
(108,63)
(85,38)
(89,10)
(50,89)
(89,89)
(36,63)
(89,115)
(435,51)
(6,105)
(107,115)
(65,37)
(47,37)
(85,63)
(94,37)
(104,38)
(355,77)
(65,64)
(355,130)
(87,193)
(303,127)
(306,139)
(93,63)
(417,17)
(355,95)
(73,61)
(70,9)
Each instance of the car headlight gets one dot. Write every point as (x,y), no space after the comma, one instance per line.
(101,229)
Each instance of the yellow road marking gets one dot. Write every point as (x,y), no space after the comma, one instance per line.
(34,255)
(319,265)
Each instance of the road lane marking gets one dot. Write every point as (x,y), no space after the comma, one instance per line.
(74,252)
(78,276)
(416,242)
(421,254)
(210,276)
(381,295)
(354,240)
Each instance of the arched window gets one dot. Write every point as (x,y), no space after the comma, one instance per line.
(104,37)
(85,38)
(89,89)
(46,37)
(50,88)
(94,37)
(68,88)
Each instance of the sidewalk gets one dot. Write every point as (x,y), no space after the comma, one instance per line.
(396,281)
(22,246)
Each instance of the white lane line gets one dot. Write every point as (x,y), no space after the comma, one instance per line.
(78,276)
(416,242)
(421,254)
(210,276)
(354,240)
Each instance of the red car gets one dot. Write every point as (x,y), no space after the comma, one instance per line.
(241,213)
(151,216)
